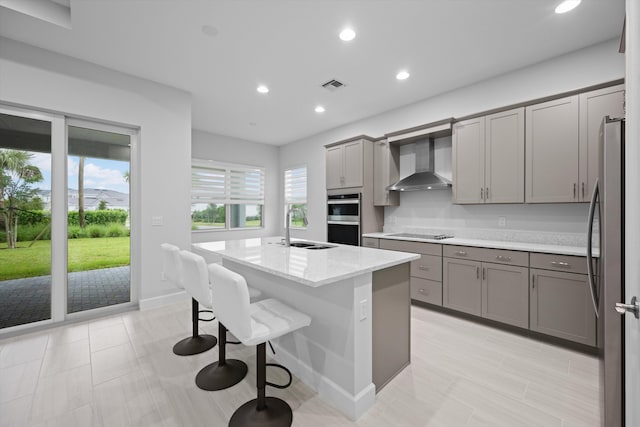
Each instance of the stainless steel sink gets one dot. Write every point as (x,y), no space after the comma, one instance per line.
(309,245)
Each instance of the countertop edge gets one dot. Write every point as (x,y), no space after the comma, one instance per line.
(495,244)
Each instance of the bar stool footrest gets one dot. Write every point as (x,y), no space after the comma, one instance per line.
(276,365)
(277,413)
(194,345)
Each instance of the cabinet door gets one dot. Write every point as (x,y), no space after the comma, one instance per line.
(353,159)
(335,166)
(468,161)
(552,151)
(504,157)
(386,166)
(426,290)
(594,106)
(561,306)
(462,286)
(505,294)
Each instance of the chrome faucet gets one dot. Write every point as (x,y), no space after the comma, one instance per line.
(287,225)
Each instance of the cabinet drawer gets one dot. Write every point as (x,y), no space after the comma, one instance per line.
(497,256)
(568,263)
(427,267)
(415,247)
(426,291)
(370,242)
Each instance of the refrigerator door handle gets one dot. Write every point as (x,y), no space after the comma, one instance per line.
(590,272)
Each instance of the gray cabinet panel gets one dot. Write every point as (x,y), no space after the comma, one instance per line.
(370,242)
(429,291)
(561,306)
(552,151)
(427,267)
(462,286)
(594,106)
(504,157)
(505,294)
(335,165)
(566,263)
(497,256)
(468,161)
(386,171)
(353,168)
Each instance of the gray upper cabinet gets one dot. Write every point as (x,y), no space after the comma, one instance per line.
(468,161)
(561,306)
(552,150)
(386,171)
(488,159)
(594,106)
(345,165)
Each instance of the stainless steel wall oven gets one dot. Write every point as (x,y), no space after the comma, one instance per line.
(343,219)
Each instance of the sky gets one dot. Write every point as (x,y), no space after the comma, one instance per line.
(98,173)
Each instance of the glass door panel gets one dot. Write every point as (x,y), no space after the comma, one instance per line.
(98,243)
(25,220)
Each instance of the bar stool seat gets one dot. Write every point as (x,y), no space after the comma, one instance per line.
(172,269)
(255,324)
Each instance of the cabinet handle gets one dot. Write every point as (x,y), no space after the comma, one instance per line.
(561,264)
(423,267)
(486,193)
(460,253)
(583,190)
(481,193)
(483,273)
(533,281)
(503,258)
(422,291)
(477,272)
(574,190)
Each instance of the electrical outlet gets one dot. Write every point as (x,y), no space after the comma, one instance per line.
(502,221)
(162,276)
(363,310)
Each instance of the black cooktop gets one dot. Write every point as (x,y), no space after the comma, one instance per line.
(422,236)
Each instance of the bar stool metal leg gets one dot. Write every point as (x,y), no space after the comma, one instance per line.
(196,343)
(225,372)
(263,411)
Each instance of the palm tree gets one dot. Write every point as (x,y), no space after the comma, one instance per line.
(16,177)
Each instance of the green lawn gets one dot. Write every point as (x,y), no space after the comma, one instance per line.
(84,254)
(205,225)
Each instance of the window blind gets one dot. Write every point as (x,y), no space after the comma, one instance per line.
(295,185)
(238,185)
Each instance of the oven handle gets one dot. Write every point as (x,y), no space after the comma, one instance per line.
(344,202)
(343,222)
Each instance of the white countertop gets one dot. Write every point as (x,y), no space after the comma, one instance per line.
(496,244)
(310,267)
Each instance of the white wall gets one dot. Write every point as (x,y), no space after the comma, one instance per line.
(222,148)
(41,79)
(593,65)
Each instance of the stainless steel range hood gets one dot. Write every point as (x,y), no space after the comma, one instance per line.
(424,177)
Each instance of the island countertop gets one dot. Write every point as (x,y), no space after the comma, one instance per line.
(309,267)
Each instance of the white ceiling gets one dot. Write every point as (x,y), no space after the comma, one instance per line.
(293,47)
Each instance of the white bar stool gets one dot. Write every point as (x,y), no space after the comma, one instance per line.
(225,372)
(196,343)
(255,324)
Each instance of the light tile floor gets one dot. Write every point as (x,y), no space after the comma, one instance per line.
(120,371)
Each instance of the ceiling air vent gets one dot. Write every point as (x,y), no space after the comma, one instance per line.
(332,84)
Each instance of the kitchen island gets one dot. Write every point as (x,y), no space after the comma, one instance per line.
(359,302)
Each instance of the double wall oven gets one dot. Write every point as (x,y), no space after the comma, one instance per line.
(343,218)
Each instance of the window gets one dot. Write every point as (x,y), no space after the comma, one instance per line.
(295,194)
(225,197)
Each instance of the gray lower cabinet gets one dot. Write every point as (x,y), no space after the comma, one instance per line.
(561,306)
(505,294)
(370,242)
(462,285)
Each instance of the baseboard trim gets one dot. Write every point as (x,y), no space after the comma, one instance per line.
(162,300)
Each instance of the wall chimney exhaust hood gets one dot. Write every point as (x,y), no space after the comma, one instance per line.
(424,177)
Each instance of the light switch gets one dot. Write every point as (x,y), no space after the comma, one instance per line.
(363,310)
(502,221)
(156,221)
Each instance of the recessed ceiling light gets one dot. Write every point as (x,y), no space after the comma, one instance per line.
(262,89)
(319,109)
(567,5)
(347,34)
(402,75)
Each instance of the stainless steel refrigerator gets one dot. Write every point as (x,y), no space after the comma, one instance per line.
(607,281)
